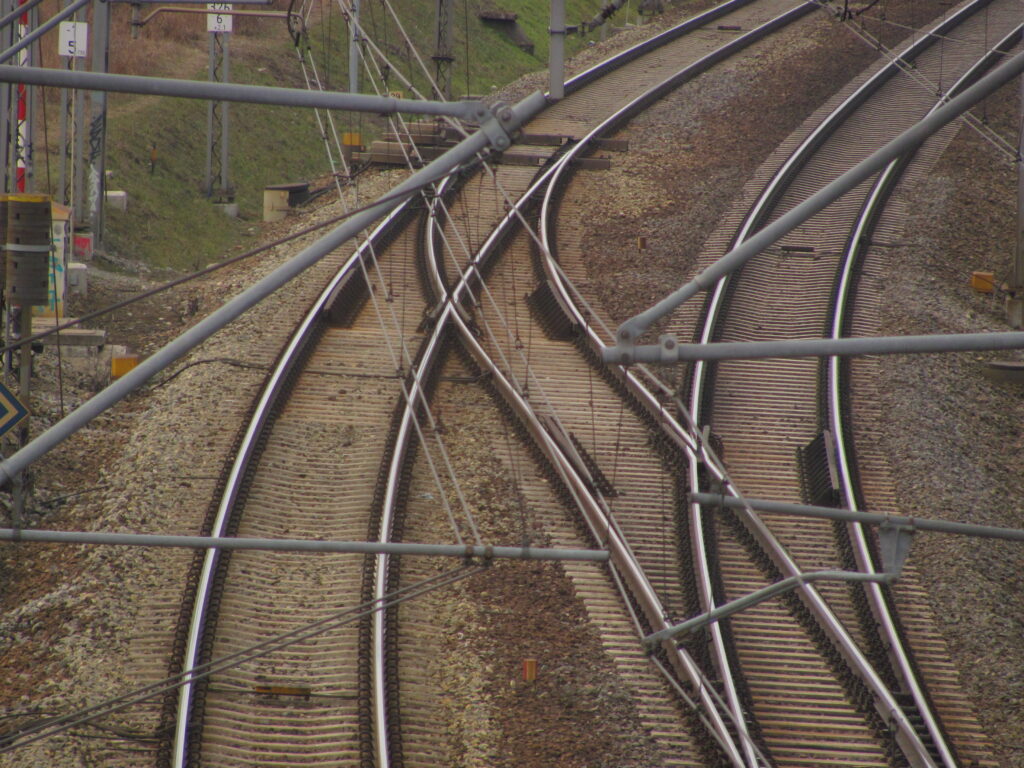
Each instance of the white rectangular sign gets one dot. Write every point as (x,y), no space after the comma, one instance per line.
(216,19)
(74,39)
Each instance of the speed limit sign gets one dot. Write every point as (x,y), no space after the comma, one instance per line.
(218,17)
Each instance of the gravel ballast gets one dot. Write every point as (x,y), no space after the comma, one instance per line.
(74,621)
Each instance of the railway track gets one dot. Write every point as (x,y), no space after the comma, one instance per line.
(761,422)
(337,699)
(782,731)
(253,709)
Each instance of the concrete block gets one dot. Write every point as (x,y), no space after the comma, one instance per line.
(117,198)
(78,279)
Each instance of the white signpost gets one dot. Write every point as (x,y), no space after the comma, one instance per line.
(73,39)
(216,18)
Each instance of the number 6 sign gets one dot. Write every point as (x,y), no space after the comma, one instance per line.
(216,18)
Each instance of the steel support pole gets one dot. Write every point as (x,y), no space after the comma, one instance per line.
(471,111)
(494,132)
(6,39)
(354,39)
(556,51)
(21,111)
(65,172)
(211,107)
(217,122)
(69,185)
(9,16)
(634,327)
(9,53)
(98,122)
(32,101)
(78,153)
(443,56)
(298,545)
(225,183)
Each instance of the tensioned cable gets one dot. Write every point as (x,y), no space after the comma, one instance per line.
(71,323)
(610,519)
(406,82)
(968,117)
(706,685)
(406,357)
(375,49)
(507,198)
(531,378)
(412,47)
(319,119)
(53,726)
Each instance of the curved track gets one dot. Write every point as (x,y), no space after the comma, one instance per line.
(346,405)
(832,741)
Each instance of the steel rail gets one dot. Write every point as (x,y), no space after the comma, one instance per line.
(380,707)
(680,436)
(759,213)
(908,738)
(450,303)
(271,391)
(254,429)
(770,195)
(634,575)
(492,132)
(631,330)
(601,527)
(818,606)
(856,245)
(546,180)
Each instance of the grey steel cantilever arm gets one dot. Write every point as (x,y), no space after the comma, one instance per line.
(759,596)
(473,111)
(634,327)
(495,132)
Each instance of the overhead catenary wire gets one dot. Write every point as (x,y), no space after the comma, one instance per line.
(242,302)
(336,620)
(467,248)
(980,125)
(92,315)
(405,358)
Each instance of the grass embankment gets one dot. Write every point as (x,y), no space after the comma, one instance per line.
(170,223)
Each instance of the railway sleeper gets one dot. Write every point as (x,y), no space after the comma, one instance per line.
(707,746)
(856,690)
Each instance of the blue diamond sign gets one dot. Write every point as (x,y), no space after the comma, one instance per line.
(12,411)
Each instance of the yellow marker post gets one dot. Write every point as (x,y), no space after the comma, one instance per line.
(529,670)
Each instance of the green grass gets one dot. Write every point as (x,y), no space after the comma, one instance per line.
(171,224)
